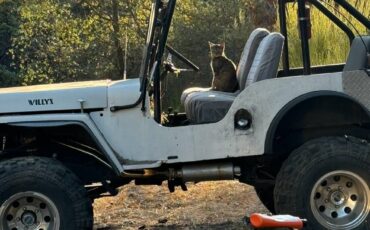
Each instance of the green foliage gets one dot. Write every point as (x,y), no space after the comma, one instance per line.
(8,77)
(9,22)
(71,40)
(329,44)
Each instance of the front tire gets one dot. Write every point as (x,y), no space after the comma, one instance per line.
(40,193)
(327,181)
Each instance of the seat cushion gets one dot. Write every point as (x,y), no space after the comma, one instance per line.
(248,54)
(188,91)
(357,58)
(245,63)
(208,107)
(266,61)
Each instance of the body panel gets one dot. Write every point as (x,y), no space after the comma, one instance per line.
(125,92)
(357,84)
(132,139)
(137,138)
(68,96)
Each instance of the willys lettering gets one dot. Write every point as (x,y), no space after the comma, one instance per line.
(41,102)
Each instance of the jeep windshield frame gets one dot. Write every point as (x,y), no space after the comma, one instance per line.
(149,39)
(159,26)
(156,39)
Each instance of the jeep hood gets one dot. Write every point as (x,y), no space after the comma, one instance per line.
(62,96)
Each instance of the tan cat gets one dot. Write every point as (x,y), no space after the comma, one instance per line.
(223,69)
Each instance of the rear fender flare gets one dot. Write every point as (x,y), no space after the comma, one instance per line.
(269,149)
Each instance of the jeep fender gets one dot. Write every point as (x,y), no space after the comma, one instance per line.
(57,120)
(321,108)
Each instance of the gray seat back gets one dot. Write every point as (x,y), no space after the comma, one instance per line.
(266,61)
(248,54)
(357,58)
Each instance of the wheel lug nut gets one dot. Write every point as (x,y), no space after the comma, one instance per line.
(326,201)
(328,188)
(340,188)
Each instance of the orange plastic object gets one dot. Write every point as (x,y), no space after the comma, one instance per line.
(279,221)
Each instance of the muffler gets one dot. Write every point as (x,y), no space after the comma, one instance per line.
(208,172)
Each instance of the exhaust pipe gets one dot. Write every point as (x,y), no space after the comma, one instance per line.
(207,172)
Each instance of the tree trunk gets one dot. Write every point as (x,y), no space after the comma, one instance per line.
(264,13)
(117,44)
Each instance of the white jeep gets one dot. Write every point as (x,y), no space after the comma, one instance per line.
(301,139)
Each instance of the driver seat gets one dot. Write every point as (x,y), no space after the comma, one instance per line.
(212,106)
(245,63)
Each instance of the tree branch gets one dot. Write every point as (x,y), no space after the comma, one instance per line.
(92,7)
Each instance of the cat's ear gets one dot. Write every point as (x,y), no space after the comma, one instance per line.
(223,45)
(210,43)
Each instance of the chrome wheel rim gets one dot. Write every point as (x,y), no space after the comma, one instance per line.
(29,211)
(340,200)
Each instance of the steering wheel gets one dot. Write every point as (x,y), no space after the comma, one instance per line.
(182,58)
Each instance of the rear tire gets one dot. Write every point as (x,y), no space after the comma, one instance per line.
(327,181)
(40,193)
(266,196)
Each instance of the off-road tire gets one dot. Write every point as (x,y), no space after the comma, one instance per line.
(266,196)
(52,180)
(305,167)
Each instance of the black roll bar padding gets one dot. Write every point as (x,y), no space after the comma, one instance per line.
(162,45)
(334,19)
(354,12)
(157,95)
(303,25)
(314,70)
(284,32)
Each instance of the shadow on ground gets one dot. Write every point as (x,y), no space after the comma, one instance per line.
(208,205)
(218,226)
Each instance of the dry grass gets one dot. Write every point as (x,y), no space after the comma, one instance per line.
(210,205)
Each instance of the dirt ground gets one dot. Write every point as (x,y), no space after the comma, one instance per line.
(207,205)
